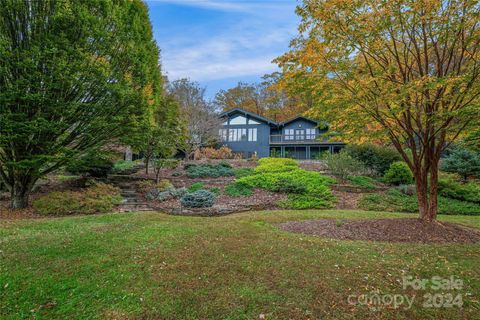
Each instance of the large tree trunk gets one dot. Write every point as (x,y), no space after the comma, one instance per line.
(427,193)
(20,193)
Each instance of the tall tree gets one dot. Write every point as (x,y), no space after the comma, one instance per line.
(201,120)
(73,76)
(411,67)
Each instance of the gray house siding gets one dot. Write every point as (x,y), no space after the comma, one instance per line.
(260,147)
(289,139)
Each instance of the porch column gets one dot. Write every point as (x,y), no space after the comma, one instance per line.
(331,149)
(282,152)
(307,151)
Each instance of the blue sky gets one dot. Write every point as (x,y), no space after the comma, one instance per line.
(221,42)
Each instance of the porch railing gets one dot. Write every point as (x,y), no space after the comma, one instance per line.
(283,138)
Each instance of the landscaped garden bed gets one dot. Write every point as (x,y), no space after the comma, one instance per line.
(391,230)
(240,186)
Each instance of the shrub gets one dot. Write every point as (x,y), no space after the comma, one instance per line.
(122,165)
(305,201)
(196,186)
(100,198)
(198,199)
(238,189)
(342,165)
(407,189)
(276,165)
(212,153)
(288,185)
(146,185)
(177,174)
(97,166)
(363,181)
(395,201)
(374,157)
(243,172)
(215,190)
(398,173)
(312,185)
(463,162)
(208,170)
(450,188)
(168,194)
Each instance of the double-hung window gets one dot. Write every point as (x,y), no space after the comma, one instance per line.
(289,134)
(310,134)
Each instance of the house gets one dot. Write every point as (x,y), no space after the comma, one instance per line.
(251,134)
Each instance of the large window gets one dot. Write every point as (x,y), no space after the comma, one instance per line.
(310,134)
(223,133)
(289,134)
(252,134)
(237,134)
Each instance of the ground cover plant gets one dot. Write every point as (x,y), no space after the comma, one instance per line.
(363,182)
(396,201)
(449,187)
(209,170)
(305,189)
(156,266)
(99,198)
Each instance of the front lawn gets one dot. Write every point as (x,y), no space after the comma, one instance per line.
(155,266)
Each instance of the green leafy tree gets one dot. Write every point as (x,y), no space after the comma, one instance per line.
(403,70)
(462,161)
(74,75)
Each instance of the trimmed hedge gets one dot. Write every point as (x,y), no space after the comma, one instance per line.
(100,198)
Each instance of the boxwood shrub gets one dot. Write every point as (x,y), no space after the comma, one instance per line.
(398,173)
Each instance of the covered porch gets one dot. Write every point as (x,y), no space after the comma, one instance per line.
(304,152)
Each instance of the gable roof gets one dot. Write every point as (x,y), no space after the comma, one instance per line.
(250,114)
(300,118)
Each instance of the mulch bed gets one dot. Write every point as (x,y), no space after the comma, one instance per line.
(390,230)
(260,200)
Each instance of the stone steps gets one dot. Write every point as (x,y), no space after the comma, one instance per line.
(132,201)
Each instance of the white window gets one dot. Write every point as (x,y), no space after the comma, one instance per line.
(242,134)
(223,134)
(289,134)
(251,121)
(232,134)
(310,134)
(252,134)
(238,120)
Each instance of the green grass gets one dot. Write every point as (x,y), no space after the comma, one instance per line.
(155,266)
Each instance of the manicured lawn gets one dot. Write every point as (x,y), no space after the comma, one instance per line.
(154,266)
